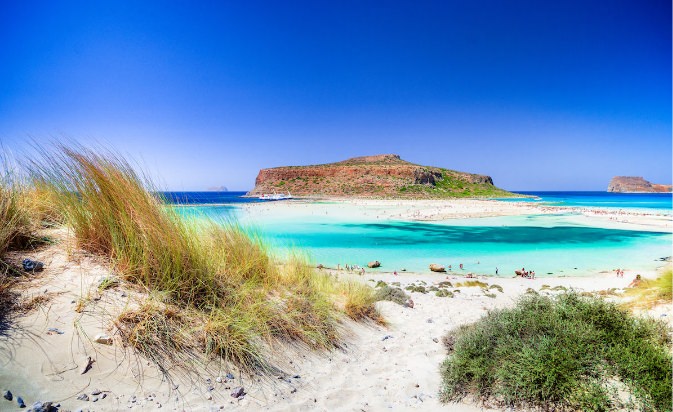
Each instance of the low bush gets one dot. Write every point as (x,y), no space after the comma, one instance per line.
(561,353)
(396,295)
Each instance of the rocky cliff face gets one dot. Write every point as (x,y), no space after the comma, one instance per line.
(373,176)
(634,184)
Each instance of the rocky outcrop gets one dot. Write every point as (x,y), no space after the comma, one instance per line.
(635,184)
(373,176)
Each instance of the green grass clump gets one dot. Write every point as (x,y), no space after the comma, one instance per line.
(416,288)
(496,287)
(445,284)
(395,294)
(443,293)
(561,353)
(213,289)
(648,293)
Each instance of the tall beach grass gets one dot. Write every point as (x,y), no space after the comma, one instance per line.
(213,288)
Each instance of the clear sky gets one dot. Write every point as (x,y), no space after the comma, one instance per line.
(541,95)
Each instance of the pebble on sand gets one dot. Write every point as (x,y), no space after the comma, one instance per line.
(238,392)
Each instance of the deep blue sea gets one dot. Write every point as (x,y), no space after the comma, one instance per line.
(662,201)
(208,198)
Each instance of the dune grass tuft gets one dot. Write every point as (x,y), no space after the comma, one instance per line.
(561,353)
(214,289)
(648,293)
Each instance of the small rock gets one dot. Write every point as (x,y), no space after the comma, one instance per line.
(96,392)
(83,397)
(238,392)
(158,406)
(43,407)
(209,397)
(8,395)
(435,340)
(133,399)
(387,337)
(293,390)
(218,379)
(103,396)
(30,265)
(103,339)
(52,331)
(20,402)
(210,389)
(95,399)
(230,376)
(429,320)
(296,377)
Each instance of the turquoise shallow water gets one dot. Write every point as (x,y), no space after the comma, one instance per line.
(549,244)
(547,248)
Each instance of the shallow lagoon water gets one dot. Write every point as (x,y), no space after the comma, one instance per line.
(548,244)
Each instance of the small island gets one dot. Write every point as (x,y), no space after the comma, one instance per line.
(379,176)
(635,184)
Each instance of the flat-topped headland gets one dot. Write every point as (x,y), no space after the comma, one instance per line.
(636,184)
(379,176)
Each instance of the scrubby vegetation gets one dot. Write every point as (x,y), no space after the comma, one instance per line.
(561,353)
(393,294)
(213,289)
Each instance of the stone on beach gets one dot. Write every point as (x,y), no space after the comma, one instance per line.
(30,265)
(102,338)
(238,392)
(437,268)
(8,395)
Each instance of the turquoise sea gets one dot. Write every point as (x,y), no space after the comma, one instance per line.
(549,244)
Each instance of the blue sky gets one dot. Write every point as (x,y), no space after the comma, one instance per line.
(539,95)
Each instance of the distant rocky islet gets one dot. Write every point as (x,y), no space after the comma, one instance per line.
(379,176)
(636,184)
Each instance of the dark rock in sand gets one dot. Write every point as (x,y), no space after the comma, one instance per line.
(20,402)
(238,392)
(8,395)
(43,407)
(229,376)
(83,397)
(30,265)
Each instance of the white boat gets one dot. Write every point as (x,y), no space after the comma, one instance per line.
(275,196)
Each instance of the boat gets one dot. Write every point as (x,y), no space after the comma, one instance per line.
(275,196)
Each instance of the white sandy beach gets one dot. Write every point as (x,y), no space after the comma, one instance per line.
(378,368)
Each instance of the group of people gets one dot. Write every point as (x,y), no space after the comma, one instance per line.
(525,274)
(352,268)
(620,273)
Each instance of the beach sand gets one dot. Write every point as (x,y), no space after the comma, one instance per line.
(378,368)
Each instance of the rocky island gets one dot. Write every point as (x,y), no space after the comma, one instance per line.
(635,184)
(380,176)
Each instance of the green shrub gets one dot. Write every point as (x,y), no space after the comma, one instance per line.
(396,295)
(443,293)
(562,353)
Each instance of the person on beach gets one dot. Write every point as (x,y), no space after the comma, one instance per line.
(496,270)
(449,268)
(395,273)
(461,266)
(636,282)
